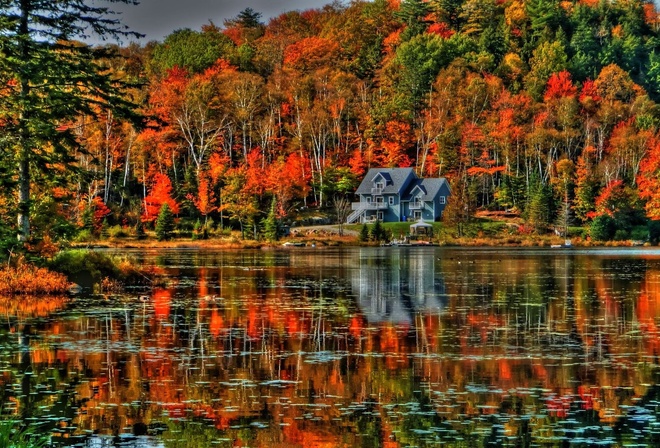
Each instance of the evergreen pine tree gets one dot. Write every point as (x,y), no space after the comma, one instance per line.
(197,229)
(541,208)
(364,233)
(139,230)
(88,219)
(270,223)
(57,78)
(104,229)
(165,223)
(377,232)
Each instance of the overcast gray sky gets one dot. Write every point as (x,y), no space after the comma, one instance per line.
(158,18)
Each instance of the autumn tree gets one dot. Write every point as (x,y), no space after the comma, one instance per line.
(41,59)
(648,182)
(244,29)
(191,111)
(621,203)
(160,193)
(457,213)
(204,200)
(240,203)
(547,58)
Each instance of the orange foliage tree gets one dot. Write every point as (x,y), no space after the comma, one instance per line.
(648,181)
(160,193)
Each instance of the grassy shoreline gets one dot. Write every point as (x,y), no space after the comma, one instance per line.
(347,241)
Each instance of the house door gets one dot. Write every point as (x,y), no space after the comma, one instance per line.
(380,216)
(417,214)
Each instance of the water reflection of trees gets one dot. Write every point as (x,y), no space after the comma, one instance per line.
(306,351)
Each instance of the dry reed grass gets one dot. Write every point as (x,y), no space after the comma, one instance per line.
(25,278)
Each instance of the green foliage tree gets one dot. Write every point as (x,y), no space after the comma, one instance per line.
(165,223)
(602,228)
(412,14)
(540,211)
(52,78)
(478,15)
(652,79)
(364,233)
(420,60)
(270,224)
(449,11)
(249,18)
(139,230)
(584,47)
(654,231)
(192,50)
(548,58)
(545,16)
(378,232)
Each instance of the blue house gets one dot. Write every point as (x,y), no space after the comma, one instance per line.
(397,194)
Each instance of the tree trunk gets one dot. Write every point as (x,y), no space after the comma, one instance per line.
(24,142)
(24,196)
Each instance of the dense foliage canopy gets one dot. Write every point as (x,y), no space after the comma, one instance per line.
(538,107)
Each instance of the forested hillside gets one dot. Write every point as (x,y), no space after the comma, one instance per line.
(538,107)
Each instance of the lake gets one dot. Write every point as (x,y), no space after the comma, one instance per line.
(327,347)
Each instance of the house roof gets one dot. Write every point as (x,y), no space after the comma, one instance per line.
(430,186)
(420,224)
(395,177)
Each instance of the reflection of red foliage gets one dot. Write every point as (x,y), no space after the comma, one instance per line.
(355,326)
(505,369)
(162,303)
(586,394)
(558,406)
(253,327)
(216,323)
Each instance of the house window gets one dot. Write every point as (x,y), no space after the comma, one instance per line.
(441,199)
(379,199)
(391,200)
(379,185)
(368,199)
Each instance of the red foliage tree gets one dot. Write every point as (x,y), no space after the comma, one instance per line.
(648,181)
(441,29)
(160,193)
(205,199)
(560,85)
(310,53)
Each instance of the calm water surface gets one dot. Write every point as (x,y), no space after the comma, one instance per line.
(373,347)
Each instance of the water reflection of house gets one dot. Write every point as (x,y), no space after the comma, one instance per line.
(394,284)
